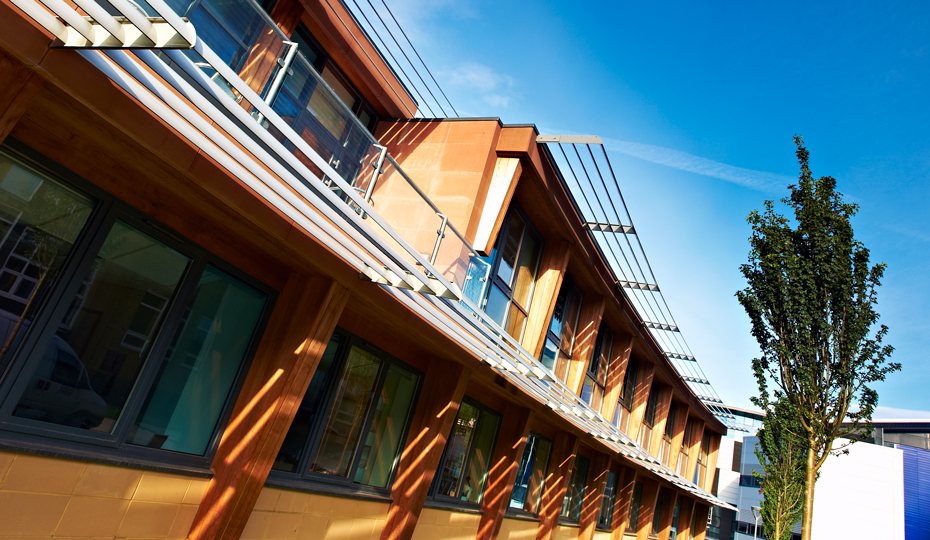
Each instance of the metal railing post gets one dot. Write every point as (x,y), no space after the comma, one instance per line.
(377,172)
(285,63)
(440,234)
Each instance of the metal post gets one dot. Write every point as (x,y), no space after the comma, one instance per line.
(441,233)
(755,532)
(377,172)
(285,63)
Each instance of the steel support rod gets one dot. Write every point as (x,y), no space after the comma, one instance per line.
(440,234)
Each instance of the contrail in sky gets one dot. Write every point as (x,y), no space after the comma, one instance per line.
(759,180)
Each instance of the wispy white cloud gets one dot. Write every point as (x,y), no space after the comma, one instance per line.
(758,180)
(494,88)
(891,413)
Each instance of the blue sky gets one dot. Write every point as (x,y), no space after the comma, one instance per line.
(697,104)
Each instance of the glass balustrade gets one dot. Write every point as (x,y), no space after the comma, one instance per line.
(252,45)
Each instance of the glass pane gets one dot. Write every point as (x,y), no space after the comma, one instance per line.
(496,307)
(456,450)
(550,351)
(635,504)
(587,389)
(527,489)
(480,461)
(338,87)
(95,337)
(558,313)
(39,222)
(510,249)
(571,503)
(347,414)
(570,326)
(382,446)
(515,323)
(295,441)
(605,517)
(526,271)
(199,369)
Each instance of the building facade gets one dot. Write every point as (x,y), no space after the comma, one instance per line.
(248,293)
(879,489)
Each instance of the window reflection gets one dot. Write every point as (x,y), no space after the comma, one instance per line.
(527,490)
(130,268)
(464,467)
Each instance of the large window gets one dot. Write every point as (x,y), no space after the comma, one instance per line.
(515,261)
(574,498)
(676,517)
(560,338)
(466,460)
(595,381)
(657,513)
(625,403)
(649,418)
(528,488)
(115,332)
(606,515)
(351,424)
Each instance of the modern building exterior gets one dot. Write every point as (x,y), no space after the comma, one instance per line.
(247,292)
(879,489)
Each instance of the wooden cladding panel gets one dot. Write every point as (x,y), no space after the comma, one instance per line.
(444,386)
(299,330)
(592,310)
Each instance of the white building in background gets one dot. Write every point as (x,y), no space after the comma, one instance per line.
(879,490)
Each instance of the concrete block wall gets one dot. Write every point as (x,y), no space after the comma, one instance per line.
(281,514)
(43,497)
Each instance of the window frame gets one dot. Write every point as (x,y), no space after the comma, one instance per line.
(598,367)
(563,358)
(610,494)
(23,434)
(520,511)
(444,500)
(569,495)
(625,399)
(497,254)
(649,418)
(303,478)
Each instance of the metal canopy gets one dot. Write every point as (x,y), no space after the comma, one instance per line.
(586,172)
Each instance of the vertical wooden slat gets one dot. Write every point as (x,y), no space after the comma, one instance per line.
(700,521)
(300,328)
(640,397)
(593,495)
(665,522)
(697,434)
(647,508)
(589,322)
(616,372)
(511,439)
(711,461)
(663,407)
(621,519)
(443,389)
(561,464)
(681,422)
(684,519)
(551,272)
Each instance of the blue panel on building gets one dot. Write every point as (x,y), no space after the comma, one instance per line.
(916,493)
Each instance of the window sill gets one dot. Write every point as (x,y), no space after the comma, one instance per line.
(566,523)
(463,508)
(351,491)
(522,516)
(134,457)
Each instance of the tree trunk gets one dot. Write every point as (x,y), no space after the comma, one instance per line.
(811,476)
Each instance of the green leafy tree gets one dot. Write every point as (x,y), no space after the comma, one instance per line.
(811,298)
(782,453)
